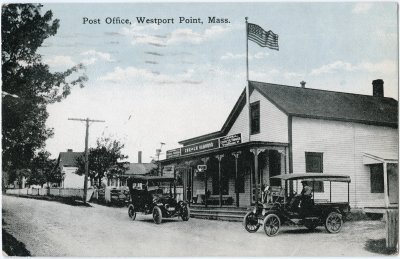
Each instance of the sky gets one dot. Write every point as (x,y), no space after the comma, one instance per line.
(168,82)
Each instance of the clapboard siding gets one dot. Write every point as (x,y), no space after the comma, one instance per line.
(375,140)
(336,141)
(273,122)
(342,145)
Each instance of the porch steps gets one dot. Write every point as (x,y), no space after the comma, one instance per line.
(218,213)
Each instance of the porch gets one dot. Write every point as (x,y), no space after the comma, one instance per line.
(234,176)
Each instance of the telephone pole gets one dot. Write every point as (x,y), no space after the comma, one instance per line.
(87,120)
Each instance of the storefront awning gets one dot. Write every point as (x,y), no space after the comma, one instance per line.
(378,158)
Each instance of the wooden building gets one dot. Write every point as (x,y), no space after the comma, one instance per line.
(295,130)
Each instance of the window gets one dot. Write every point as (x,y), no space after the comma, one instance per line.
(314,164)
(255,117)
(377,178)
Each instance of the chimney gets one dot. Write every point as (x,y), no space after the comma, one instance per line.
(69,150)
(377,87)
(139,157)
(303,84)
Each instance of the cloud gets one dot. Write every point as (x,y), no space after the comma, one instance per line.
(385,66)
(147,35)
(258,55)
(361,8)
(144,76)
(92,56)
(153,53)
(60,61)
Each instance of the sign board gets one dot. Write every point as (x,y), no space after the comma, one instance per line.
(230,140)
(203,146)
(173,153)
(202,168)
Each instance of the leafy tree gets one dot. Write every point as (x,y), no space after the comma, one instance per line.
(28,86)
(43,170)
(105,158)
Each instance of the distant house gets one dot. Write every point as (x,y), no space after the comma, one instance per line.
(67,162)
(133,169)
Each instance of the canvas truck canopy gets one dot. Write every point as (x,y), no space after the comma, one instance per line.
(314,177)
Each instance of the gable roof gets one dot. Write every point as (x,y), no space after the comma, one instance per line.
(315,103)
(140,168)
(69,158)
(329,105)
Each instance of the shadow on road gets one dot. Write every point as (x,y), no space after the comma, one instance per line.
(11,246)
(378,246)
(301,231)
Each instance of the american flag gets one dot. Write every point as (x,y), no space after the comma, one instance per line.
(262,37)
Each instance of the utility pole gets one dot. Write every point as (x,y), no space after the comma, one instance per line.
(87,120)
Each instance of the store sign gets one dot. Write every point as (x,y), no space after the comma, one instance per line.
(203,146)
(206,145)
(230,140)
(173,153)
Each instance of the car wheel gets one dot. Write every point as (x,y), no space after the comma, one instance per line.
(250,222)
(272,223)
(185,213)
(157,215)
(131,212)
(334,222)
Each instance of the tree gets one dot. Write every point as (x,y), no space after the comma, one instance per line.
(105,158)
(43,170)
(28,86)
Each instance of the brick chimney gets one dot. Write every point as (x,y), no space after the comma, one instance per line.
(303,84)
(377,87)
(139,157)
(69,150)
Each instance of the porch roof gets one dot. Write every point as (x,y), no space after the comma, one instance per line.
(233,148)
(378,158)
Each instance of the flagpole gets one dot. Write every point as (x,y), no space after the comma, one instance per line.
(247,77)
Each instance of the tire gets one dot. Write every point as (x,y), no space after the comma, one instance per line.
(250,222)
(185,213)
(272,224)
(131,212)
(157,215)
(334,222)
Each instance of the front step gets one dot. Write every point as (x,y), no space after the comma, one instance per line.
(228,214)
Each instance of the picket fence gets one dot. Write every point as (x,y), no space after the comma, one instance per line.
(59,192)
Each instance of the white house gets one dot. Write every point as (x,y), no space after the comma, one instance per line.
(68,165)
(297,130)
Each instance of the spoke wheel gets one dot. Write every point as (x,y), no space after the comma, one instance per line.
(131,212)
(334,222)
(272,224)
(250,222)
(185,213)
(157,215)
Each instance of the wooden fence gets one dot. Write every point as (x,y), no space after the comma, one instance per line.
(59,192)
(392,228)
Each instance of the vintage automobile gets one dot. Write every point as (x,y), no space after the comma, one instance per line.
(278,206)
(155,195)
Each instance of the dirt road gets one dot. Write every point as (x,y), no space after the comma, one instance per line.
(55,229)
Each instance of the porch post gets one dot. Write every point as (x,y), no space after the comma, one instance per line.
(385,185)
(236,155)
(219,157)
(256,152)
(205,160)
